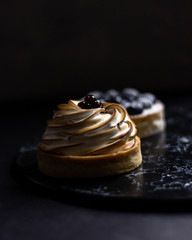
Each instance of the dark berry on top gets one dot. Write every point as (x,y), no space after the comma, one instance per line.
(96,104)
(82,104)
(87,106)
(89,98)
(90,102)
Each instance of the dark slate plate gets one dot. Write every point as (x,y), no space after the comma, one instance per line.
(166,172)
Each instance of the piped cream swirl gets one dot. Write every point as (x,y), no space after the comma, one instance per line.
(74,131)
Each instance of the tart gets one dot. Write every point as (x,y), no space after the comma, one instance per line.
(89,139)
(144,109)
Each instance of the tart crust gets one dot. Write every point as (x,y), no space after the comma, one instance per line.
(150,123)
(90,166)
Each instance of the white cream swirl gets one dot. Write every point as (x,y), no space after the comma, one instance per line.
(74,131)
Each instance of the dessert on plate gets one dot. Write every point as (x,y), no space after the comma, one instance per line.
(144,109)
(89,138)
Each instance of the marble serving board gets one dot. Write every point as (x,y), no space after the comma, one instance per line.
(166,171)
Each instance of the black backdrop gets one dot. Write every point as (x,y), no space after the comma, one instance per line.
(54,49)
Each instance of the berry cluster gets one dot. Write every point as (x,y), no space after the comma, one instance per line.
(90,101)
(131,99)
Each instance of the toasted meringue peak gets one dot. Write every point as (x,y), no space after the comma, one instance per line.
(84,132)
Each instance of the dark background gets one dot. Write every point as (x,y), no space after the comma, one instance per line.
(53,50)
(59,49)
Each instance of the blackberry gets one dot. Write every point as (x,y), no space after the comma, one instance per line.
(130,94)
(145,102)
(135,108)
(112,96)
(149,96)
(90,102)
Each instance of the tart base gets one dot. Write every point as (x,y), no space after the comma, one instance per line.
(151,123)
(90,166)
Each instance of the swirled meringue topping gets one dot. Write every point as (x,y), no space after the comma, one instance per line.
(74,131)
